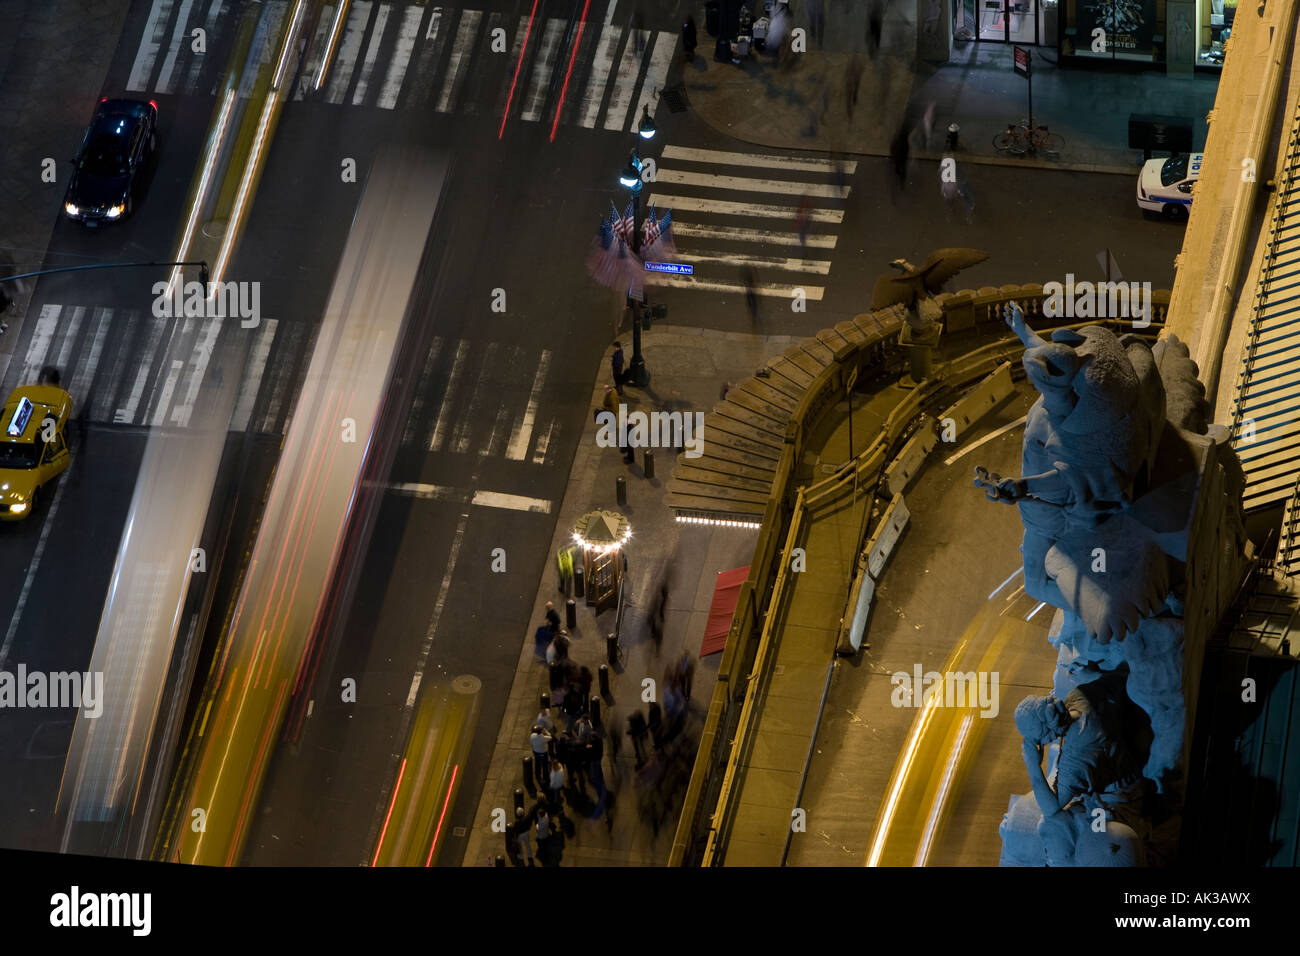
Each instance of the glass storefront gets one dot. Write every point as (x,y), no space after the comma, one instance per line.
(1027,22)
(1214,18)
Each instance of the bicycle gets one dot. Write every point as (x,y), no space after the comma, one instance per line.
(1019,139)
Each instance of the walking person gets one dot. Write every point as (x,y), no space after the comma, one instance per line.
(875,26)
(801,217)
(637,729)
(540,741)
(616,365)
(689,38)
(656,724)
(899,147)
(852,81)
(751,293)
(556,782)
(552,617)
(523,827)
(544,720)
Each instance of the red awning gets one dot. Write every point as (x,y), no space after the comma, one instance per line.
(726,592)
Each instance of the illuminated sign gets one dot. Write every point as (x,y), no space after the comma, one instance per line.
(21,416)
(673,267)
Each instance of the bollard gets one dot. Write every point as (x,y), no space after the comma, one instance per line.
(620,491)
(528,776)
(519,799)
(571,614)
(579,589)
(953,130)
(595,710)
(611,649)
(603,675)
(546,700)
(649,463)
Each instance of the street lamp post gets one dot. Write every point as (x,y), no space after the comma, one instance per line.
(631,179)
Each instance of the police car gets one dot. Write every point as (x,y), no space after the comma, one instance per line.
(1165,185)
(33,446)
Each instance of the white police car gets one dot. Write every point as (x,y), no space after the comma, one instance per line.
(1165,185)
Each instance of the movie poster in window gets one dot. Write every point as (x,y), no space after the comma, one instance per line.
(1129,25)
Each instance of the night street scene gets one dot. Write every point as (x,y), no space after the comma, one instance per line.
(825,434)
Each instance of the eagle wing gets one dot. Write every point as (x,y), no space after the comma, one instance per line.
(943,264)
(893,290)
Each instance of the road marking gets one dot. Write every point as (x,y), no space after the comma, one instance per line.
(282,380)
(347,55)
(987,438)
(126,413)
(508,79)
(493,444)
(199,359)
(251,381)
(542,67)
(42,334)
(461,50)
(629,69)
(85,375)
(773,290)
(484,499)
(543,442)
(438,605)
(815,266)
(169,386)
(102,411)
(427,64)
(69,337)
(421,388)
(465,427)
(809,164)
(594,94)
(523,433)
(744,184)
(155,29)
(215,13)
(315,52)
(726,208)
(372,53)
(814,240)
(401,58)
(656,75)
(164,84)
(444,412)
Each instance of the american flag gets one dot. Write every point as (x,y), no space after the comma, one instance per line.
(659,237)
(651,232)
(610,262)
(620,227)
(629,224)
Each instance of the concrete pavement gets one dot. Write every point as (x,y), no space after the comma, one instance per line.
(806,106)
(688,368)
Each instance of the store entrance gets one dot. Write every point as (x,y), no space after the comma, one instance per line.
(1003,21)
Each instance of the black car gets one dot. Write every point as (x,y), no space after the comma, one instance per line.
(108,171)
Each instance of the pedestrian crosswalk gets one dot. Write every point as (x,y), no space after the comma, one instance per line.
(127,367)
(734,244)
(551,70)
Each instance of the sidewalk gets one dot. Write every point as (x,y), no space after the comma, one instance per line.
(688,367)
(54,56)
(761,103)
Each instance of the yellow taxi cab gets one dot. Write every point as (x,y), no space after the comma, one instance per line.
(33,446)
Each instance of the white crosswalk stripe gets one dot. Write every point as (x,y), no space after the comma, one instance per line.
(692,184)
(133,368)
(423,57)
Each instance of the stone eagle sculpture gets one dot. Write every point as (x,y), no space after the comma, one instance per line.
(920,283)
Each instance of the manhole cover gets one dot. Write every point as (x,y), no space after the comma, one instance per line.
(675,97)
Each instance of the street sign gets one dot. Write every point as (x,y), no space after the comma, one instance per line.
(673,267)
(1022,61)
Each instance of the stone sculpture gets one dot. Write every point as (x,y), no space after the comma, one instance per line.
(1106,495)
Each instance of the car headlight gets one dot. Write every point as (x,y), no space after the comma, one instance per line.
(114,211)
(18,508)
(71,209)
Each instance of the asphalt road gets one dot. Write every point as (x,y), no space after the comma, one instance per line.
(518,215)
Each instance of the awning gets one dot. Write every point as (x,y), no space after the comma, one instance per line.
(726,592)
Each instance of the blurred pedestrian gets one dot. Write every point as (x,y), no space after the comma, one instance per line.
(875,26)
(524,834)
(689,38)
(801,217)
(656,724)
(751,292)
(595,751)
(584,729)
(852,81)
(584,683)
(616,365)
(540,741)
(543,826)
(574,705)
(686,672)
(898,150)
(544,720)
(552,617)
(558,650)
(638,31)
(637,729)
(927,123)
(556,783)
(817,20)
